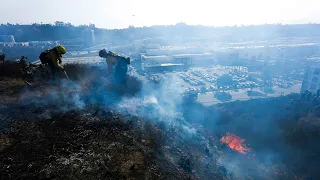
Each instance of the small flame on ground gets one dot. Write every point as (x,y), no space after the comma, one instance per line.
(235,143)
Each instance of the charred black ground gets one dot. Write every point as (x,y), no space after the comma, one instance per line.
(49,139)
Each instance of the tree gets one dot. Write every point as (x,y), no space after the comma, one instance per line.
(225,80)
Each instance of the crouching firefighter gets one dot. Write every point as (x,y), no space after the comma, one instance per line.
(118,65)
(53,58)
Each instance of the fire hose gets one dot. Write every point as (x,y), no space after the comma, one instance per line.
(65,73)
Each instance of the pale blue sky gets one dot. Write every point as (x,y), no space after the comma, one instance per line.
(119,13)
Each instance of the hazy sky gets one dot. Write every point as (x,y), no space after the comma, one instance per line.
(122,13)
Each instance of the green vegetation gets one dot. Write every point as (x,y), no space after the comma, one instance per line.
(225,80)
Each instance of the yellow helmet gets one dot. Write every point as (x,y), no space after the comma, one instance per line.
(61,49)
(111,53)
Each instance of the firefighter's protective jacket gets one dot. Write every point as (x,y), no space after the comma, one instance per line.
(55,57)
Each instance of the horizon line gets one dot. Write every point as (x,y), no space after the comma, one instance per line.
(179,23)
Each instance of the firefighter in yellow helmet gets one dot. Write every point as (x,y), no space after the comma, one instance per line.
(53,58)
(117,65)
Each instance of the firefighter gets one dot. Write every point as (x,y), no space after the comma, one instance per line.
(53,58)
(23,61)
(2,58)
(116,65)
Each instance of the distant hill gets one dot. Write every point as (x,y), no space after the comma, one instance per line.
(171,34)
(48,32)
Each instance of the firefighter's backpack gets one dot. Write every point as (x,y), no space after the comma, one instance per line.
(44,57)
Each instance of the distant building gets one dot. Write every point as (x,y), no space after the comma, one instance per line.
(175,57)
(7,38)
(194,59)
(174,50)
(89,37)
(22,44)
(72,44)
(5,44)
(42,44)
(311,81)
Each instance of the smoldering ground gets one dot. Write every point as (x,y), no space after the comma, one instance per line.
(185,134)
(73,101)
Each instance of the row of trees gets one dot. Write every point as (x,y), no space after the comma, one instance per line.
(185,33)
(44,32)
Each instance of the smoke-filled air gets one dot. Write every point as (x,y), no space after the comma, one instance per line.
(197,90)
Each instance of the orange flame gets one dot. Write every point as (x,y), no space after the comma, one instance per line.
(235,143)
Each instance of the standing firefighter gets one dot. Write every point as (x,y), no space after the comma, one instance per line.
(53,58)
(23,61)
(3,58)
(119,64)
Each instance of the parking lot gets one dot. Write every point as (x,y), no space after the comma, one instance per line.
(201,83)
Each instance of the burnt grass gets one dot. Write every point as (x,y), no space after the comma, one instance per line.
(40,141)
(10,69)
(100,145)
(96,143)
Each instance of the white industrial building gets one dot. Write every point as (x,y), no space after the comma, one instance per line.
(176,56)
(311,81)
(153,61)
(7,38)
(194,59)
(174,50)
